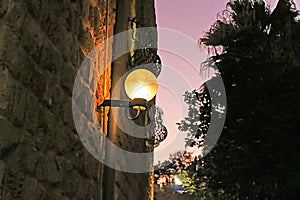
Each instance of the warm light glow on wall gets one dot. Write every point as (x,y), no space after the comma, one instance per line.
(141,83)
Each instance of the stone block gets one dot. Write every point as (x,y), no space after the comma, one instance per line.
(7,88)
(2,172)
(50,58)
(47,97)
(78,58)
(54,194)
(86,68)
(14,56)
(85,103)
(12,183)
(19,106)
(54,31)
(34,8)
(70,24)
(85,8)
(47,122)
(53,97)
(16,17)
(33,189)
(38,83)
(29,155)
(52,12)
(86,41)
(72,186)
(67,45)
(67,112)
(31,113)
(5,4)
(20,64)
(48,170)
(33,39)
(9,137)
(76,7)
(26,75)
(58,99)
(102,90)
(64,164)
(82,190)
(67,78)
(61,142)
(76,156)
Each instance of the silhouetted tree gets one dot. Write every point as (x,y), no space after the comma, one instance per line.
(196,123)
(257,155)
(176,163)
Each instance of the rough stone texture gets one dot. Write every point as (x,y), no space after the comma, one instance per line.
(42,45)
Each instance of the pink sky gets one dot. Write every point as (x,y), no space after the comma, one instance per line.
(193,18)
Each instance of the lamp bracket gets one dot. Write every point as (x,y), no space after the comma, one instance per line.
(124,103)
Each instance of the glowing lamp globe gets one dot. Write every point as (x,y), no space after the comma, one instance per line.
(141,83)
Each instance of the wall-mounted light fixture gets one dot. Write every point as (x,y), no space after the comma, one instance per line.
(140,86)
(141,83)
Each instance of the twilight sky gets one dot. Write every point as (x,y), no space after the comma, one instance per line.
(192,18)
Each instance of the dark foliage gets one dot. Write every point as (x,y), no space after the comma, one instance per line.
(177,162)
(197,122)
(257,155)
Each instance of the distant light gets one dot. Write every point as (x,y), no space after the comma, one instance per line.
(141,83)
(177,181)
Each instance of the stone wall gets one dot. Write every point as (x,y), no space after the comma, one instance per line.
(42,46)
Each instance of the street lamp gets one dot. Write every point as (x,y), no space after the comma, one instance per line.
(141,83)
(140,86)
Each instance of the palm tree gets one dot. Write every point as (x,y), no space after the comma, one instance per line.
(259,63)
(253,20)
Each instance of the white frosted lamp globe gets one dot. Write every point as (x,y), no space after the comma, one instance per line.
(141,83)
